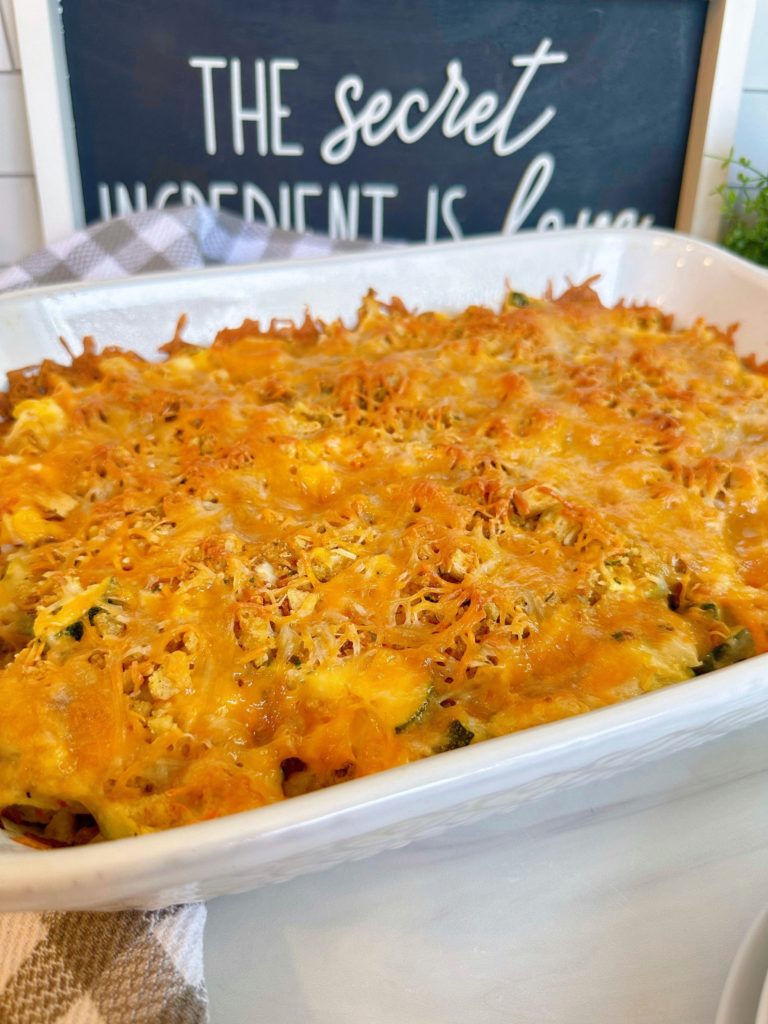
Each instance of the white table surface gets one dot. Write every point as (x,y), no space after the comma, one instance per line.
(625,903)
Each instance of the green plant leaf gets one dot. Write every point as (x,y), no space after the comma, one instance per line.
(745,211)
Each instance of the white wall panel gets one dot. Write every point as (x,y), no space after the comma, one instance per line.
(756,76)
(15,155)
(6,61)
(6,16)
(19,220)
(752,130)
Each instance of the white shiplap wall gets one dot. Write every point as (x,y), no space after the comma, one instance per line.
(19,219)
(752,130)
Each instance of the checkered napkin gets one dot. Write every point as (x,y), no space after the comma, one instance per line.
(124,968)
(156,240)
(127,967)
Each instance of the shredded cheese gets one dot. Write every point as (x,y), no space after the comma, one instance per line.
(310,553)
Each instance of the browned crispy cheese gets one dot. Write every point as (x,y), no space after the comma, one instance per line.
(309,553)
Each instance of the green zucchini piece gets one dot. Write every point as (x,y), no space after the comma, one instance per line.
(736,648)
(519,299)
(711,609)
(58,619)
(417,716)
(76,629)
(458,736)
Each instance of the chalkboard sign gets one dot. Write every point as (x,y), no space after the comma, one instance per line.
(416,119)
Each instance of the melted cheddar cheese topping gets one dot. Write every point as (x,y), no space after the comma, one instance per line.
(310,553)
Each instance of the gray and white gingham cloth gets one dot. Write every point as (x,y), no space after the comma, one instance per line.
(157,240)
(127,967)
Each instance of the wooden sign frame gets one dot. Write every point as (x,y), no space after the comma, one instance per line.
(723,59)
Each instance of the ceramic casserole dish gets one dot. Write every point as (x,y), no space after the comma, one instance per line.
(680,275)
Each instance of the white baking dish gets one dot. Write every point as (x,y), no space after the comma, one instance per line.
(683,276)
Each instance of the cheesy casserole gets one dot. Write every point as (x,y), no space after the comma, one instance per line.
(308,553)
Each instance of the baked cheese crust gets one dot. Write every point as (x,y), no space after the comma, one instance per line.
(309,553)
